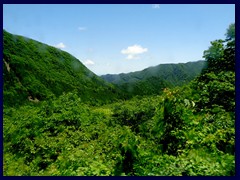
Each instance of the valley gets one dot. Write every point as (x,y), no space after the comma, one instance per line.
(61,119)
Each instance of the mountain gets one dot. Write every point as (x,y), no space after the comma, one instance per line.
(185,131)
(33,71)
(153,79)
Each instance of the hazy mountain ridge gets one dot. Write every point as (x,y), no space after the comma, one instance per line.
(157,77)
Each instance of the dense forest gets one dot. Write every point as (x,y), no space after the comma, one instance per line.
(36,70)
(60,119)
(153,80)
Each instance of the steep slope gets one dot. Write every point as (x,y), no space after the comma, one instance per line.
(35,71)
(153,79)
(186,131)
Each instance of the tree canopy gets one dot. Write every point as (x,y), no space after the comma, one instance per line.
(186,130)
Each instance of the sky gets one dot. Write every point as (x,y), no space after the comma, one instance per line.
(112,39)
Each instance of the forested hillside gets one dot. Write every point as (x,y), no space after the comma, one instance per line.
(185,131)
(153,80)
(36,71)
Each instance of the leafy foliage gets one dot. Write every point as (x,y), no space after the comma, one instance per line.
(184,131)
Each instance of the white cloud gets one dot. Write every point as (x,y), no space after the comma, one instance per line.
(89,62)
(133,51)
(156,6)
(82,28)
(60,45)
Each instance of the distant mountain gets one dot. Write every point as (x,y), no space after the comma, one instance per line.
(153,80)
(35,71)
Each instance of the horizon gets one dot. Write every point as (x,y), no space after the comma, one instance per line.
(120,72)
(155,66)
(132,38)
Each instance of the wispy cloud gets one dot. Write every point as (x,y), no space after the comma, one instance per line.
(131,56)
(156,6)
(133,51)
(60,45)
(82,28)
(89,62)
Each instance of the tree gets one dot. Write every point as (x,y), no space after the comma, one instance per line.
(229,52)
(214,55)
(230,34)
(216,85)
(221,54)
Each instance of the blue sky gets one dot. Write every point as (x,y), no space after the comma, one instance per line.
(123,38)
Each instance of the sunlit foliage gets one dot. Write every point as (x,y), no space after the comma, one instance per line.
(183,131)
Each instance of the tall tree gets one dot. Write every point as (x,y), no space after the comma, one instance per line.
(217,83)
(221,54)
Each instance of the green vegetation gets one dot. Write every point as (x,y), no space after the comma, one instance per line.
(38,71)
(153,80)
(184,131)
